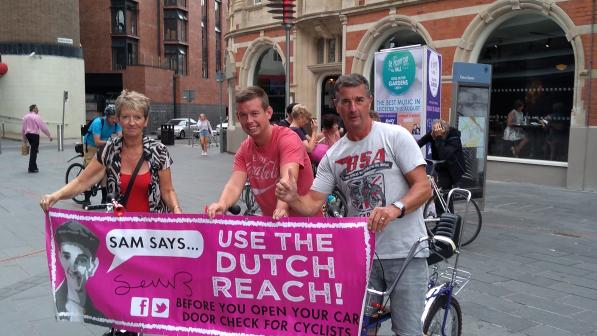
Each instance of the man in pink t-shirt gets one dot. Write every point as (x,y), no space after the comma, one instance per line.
(269,154)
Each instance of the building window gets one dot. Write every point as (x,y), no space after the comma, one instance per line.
(175,26)
(125,51)
(320,50)
(533,66)
(175,3)
(327,50)
(218,28)
(176,59)
(119,26)
(256,2)
(124,17)
(204,40)
(331,50)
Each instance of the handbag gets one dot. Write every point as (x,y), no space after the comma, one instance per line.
(24,148)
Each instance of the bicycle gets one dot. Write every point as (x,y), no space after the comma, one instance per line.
(458,205)
(442,314)
(335,205)
(74,170)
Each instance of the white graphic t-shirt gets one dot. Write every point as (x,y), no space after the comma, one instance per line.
(370,173)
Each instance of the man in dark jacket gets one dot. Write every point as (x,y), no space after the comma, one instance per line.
(445,146)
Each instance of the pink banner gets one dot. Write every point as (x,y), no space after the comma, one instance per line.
(187,274)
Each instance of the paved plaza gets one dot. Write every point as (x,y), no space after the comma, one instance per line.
(533,266)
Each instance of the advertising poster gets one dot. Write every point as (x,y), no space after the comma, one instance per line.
(186,274)
(433,94)
(408,87)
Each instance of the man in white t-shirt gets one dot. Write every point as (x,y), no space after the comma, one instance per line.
(381,171)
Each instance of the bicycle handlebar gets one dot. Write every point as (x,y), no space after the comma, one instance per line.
(235,209)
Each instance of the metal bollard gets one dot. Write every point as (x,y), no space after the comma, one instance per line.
(60,137)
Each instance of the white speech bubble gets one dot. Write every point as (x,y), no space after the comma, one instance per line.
(127,243)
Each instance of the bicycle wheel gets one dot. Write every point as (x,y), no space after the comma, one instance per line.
(71,173)
(472,219)
(435,318)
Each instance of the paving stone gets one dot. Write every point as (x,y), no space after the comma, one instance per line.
(574,289)
(511,322)
(542,330)
(554,320)
(547,304)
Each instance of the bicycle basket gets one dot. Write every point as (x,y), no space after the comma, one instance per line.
(79,148)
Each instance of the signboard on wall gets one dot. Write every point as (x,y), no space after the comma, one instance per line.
(408,87)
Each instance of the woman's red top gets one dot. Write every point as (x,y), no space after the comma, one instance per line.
(138,200)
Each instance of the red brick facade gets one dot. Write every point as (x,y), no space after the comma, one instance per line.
(150,75)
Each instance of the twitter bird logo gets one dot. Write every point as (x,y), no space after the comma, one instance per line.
(160,307)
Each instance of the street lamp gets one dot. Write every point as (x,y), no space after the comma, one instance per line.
(220,80)
(284,10)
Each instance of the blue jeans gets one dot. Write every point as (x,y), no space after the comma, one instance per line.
(407,301)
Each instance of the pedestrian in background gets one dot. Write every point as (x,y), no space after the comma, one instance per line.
(286,122)
(32,124)
(204,129)
(100,131)
(301,117)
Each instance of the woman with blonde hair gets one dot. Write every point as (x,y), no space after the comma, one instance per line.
(131,156)
(301,117)
(204,128)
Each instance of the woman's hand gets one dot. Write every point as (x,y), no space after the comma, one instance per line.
(280,213)
(216,208)
(47,201)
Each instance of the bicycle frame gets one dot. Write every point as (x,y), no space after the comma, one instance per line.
(375,311)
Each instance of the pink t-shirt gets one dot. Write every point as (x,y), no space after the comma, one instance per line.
(262,165)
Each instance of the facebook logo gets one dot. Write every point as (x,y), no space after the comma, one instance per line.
(139,306)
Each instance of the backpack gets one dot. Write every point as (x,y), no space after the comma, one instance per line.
(85,128)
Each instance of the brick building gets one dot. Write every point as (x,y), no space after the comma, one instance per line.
(543,53)
(170,50)
(40,44)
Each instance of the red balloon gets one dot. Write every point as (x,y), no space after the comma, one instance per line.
(3,69)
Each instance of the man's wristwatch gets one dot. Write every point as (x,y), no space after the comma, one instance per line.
(400,206)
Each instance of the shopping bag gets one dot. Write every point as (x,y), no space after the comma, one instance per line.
(24,149)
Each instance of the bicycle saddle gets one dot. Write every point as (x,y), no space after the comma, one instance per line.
(449,227)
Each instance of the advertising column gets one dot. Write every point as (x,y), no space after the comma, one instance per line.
(408,87)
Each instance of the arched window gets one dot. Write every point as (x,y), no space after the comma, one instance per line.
(533,64)
(270,76)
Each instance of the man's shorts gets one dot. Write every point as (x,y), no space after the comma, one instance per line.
(90,153)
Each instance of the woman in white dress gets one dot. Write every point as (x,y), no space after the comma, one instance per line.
(514,132)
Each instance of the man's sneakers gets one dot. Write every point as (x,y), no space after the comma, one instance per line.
(204,153)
